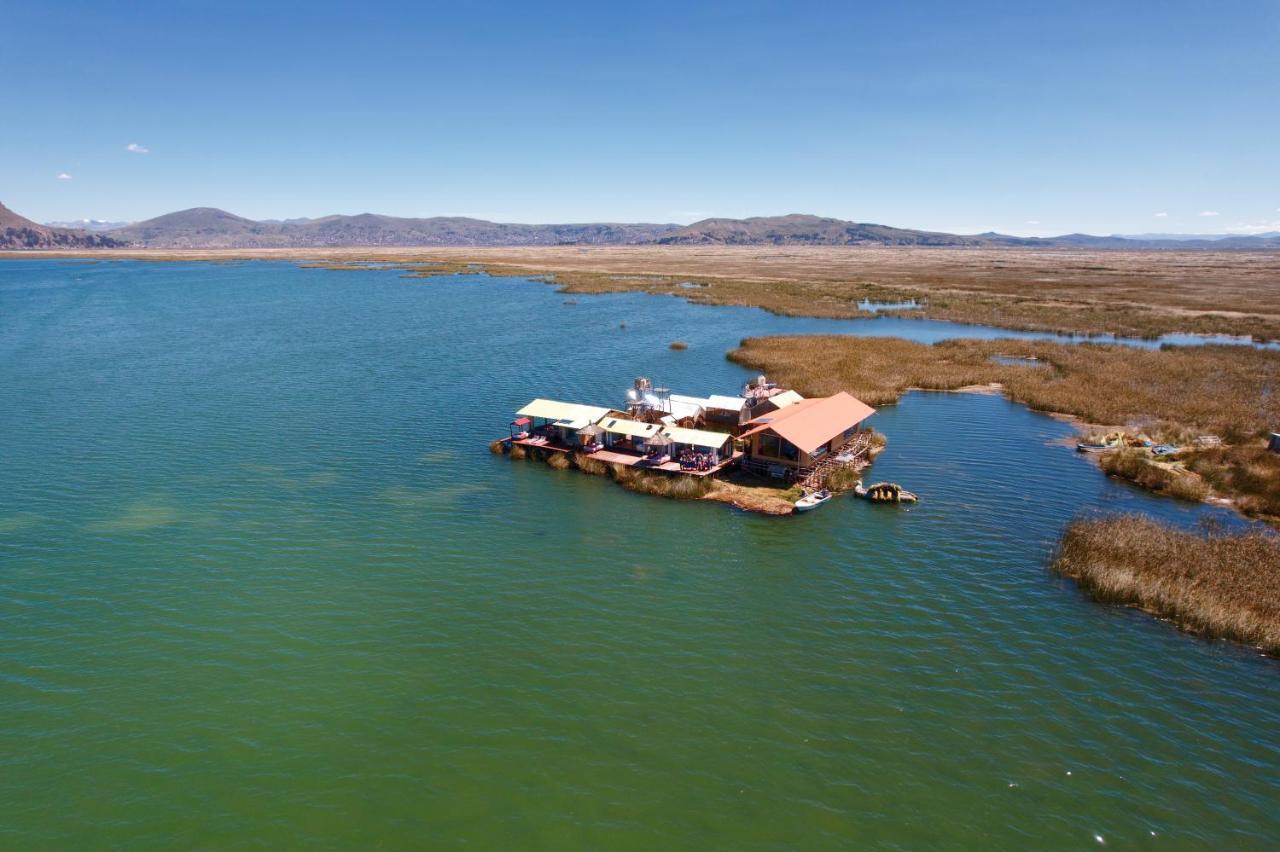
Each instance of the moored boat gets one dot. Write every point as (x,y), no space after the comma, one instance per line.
(1094,446)
(812,500)
(884,492)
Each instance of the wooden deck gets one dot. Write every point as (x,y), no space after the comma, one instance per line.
(628,459)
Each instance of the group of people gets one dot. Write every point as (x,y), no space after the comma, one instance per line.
(693,460)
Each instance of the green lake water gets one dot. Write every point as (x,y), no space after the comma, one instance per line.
(262,584)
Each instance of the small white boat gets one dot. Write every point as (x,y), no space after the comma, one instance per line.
(812,500)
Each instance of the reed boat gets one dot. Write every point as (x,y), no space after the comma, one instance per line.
(884,492)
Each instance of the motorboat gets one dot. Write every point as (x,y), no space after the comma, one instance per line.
(812,500)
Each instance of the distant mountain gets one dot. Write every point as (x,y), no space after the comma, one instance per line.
(207,227)
(18,232)
(801,229)
(89,225)
(202,227)
(1189,237)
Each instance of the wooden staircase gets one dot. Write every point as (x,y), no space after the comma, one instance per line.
(815,478)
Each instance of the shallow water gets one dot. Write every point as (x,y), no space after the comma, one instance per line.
(262,582)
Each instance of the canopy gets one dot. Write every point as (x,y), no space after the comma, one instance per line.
(725,403)
(550,409)
(782,400)
(590,430)
(676,404)
(697,437)
(520,421)
(633,428)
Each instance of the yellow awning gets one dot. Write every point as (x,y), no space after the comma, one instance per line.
(786,398)
(697,437)
(632,428)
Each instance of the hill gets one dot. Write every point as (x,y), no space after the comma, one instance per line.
(19,232)
(202,227)
(801,229)
(207,227)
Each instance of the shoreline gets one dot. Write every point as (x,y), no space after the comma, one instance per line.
(1137,294)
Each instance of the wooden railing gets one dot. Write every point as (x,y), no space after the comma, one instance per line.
(815,477)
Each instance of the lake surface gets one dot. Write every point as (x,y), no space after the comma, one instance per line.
(262,583)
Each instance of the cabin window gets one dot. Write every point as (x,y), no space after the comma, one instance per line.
(775,447)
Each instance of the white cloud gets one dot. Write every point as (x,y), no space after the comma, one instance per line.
(1208,212)
(137,149)
(63,176)
(1162,215)
(1033,221)
(1247,228)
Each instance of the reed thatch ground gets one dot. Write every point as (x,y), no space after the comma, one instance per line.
(1214,583)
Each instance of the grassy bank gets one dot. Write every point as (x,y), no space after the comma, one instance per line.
(1173,394)
(1217,584)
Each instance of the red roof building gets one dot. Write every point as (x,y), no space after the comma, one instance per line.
(801,434)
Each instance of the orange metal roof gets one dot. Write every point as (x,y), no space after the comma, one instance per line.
(810,423)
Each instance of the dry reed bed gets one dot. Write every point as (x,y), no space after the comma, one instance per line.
(1215,583)
(1173,393)
(1138,293)
(1029,308)
(1141,293)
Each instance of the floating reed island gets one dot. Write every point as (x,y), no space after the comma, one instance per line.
(761,450)
(1218,584)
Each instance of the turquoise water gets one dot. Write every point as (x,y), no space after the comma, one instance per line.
(261,583)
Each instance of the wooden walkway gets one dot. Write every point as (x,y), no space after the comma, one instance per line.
(628,459)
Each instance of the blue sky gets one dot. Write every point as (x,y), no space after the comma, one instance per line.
(1020,117)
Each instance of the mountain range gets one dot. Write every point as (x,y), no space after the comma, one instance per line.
(18,232)
(209,227)
(89,225)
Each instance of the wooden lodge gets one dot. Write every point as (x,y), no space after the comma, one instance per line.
(807,436)
(768,430)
